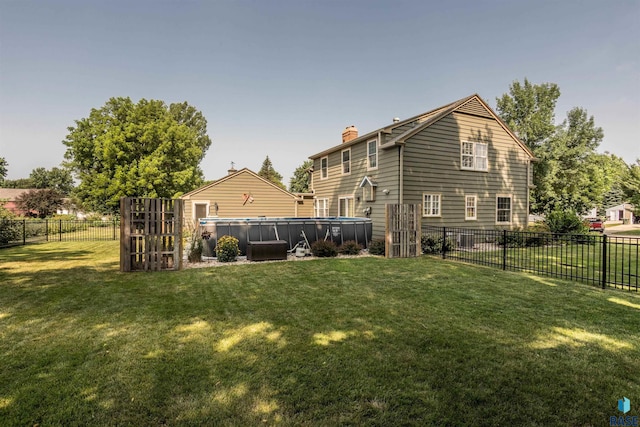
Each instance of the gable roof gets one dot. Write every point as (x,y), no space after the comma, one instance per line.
(12,194)
(233,175)
(424,120)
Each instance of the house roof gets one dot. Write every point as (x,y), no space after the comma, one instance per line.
(233,175)
(422,121)
(12,194)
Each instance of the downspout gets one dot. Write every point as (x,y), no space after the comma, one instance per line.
(401,174)
(526,222)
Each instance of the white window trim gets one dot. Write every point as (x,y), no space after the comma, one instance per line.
(353,205)
(475,207)
(321,169)
(510,197)
(430,215)
(342,162)
(199,202)
(375,143)
(325,208)
(473,156)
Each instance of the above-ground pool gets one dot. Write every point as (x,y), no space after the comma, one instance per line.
(336,229)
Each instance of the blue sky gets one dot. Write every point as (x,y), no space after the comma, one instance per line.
(283,78)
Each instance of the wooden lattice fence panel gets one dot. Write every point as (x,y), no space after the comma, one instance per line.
(402,232)
(150,234)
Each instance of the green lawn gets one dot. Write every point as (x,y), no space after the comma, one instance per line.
(365,341)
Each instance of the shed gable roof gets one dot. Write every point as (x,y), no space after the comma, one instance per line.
(234,175)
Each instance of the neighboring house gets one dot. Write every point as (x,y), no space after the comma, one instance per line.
(460,162)
(244,194)
(623,212)
(10,195)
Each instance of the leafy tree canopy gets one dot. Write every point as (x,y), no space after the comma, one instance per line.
(529,110)
(18,183)
(146,149)
(56,178)
(42,203)
(299,182)
(269,173)
(631,185)
(569,173)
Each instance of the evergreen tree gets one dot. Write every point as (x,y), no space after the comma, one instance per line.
(300,181)
(269,173)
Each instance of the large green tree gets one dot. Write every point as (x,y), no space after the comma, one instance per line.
(56,178)
(270,174)
(567,172)
(529,110)
(144,149)
(299,182)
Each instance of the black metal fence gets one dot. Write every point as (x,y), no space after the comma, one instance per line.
(21,232)
(605,261)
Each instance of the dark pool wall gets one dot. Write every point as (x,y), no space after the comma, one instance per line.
(336,229)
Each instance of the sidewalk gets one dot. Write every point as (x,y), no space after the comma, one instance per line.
(621,228)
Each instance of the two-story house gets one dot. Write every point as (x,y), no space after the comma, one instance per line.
(460,162)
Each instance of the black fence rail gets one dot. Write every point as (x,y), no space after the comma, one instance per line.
(21,232)
(605,261)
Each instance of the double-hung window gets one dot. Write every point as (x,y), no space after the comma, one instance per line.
(431,205)
(345,206)
(471,207)
(503,210)
(321,208)
(324,168)
(473,156)
(346,161)
(372,154)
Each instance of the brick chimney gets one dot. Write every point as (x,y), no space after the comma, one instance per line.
(350,133)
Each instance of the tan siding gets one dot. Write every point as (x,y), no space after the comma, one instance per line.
(267,200)
(474,107)
(340,185)
(432,165)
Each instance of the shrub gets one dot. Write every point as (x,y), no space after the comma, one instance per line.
(376,247)
(350,247)
(10,231)
(564,222)
(324,248)
(195,248)
(539,227)
(431,244)
(227,249)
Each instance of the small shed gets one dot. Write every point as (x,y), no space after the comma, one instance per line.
(244,194)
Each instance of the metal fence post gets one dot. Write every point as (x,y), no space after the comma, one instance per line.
(46,229)
(444,242)
(504,249)
(604,261)
(24,231)
(60,232)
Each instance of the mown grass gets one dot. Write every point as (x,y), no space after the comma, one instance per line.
(628,233)
(364,341)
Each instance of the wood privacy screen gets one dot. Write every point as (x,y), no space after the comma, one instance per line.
(402,230)
(150,234)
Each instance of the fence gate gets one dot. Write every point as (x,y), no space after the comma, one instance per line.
(402,230)
(150,234)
